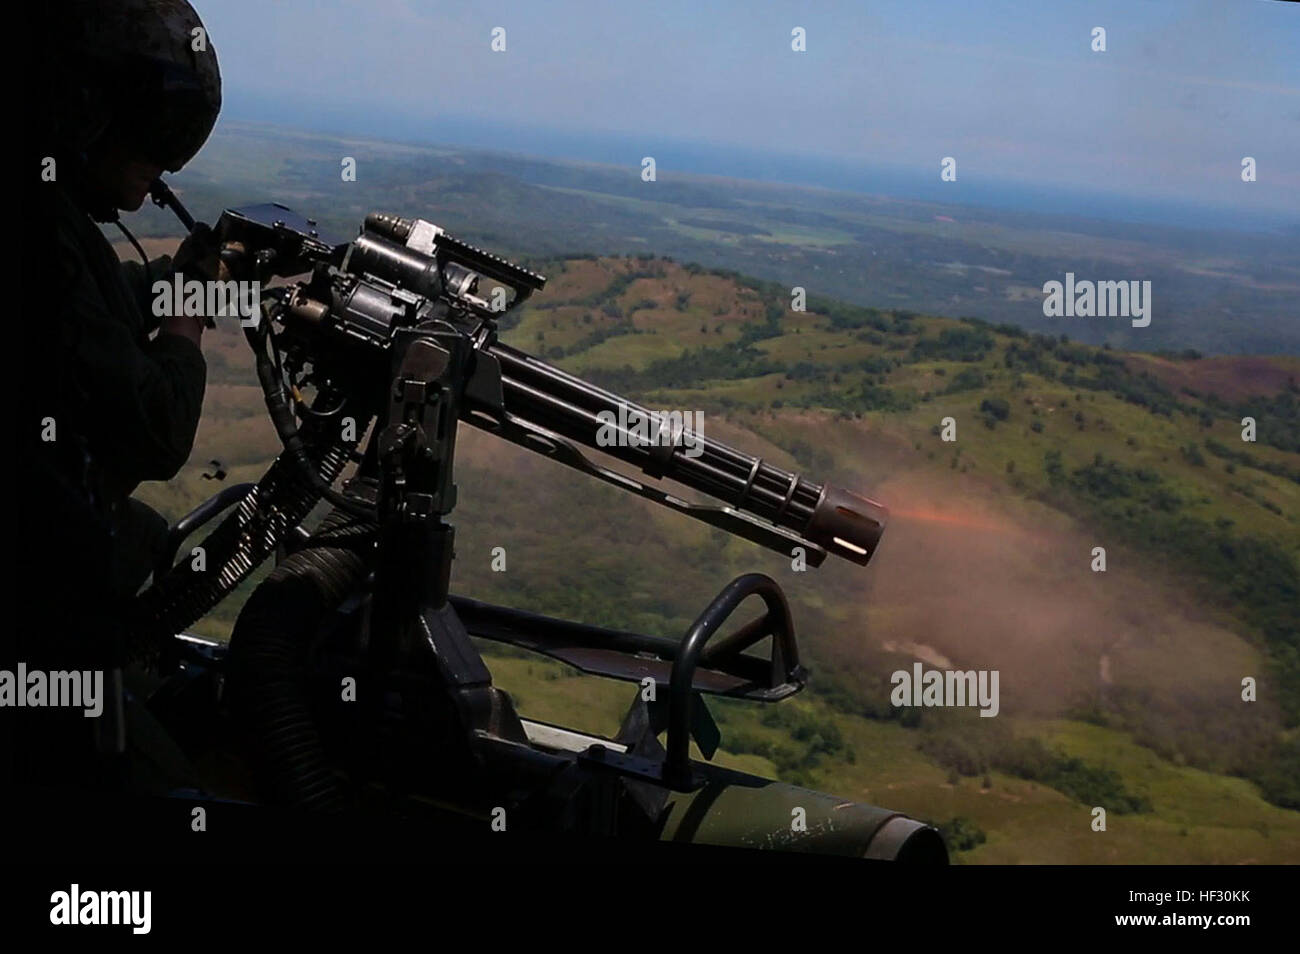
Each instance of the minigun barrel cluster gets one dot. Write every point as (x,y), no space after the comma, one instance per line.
(403,272)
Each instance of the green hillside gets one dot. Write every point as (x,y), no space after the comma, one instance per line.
(1120,689)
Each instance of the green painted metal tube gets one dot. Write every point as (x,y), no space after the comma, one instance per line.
(745,811)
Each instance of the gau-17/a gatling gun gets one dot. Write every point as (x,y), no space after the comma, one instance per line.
(394,335)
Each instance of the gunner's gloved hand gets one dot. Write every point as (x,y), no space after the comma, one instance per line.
(236,263)
(199,256)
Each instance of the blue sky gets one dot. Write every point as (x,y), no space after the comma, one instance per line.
(1010,89)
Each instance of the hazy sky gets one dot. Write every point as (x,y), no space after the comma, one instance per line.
(1011,89)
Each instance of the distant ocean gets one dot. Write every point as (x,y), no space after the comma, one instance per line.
(705,159)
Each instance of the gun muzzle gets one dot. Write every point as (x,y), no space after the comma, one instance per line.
(846,524)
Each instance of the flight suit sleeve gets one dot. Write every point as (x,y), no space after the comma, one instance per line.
(141,286)
(142,399)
